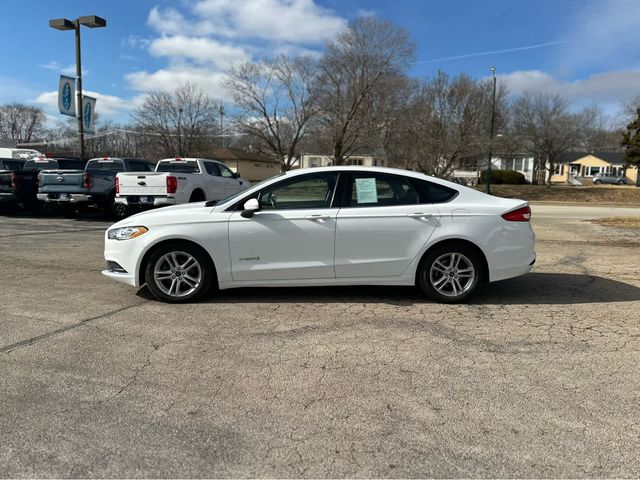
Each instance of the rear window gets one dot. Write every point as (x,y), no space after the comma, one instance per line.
(11,165)
(179,167)
(109,165)
(40,164)
(140,166)
(434,193)
(70,165)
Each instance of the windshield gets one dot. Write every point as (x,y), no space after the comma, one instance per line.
(243,192)
(179,167)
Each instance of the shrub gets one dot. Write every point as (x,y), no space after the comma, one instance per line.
(504,177)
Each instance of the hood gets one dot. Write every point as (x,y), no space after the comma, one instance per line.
(182,213)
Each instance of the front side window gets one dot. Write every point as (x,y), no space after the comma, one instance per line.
(310,191)
(225,172)
(212,168)
(380,190)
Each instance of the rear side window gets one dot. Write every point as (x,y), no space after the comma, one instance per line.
(178,167)
(138,166)
(108,165)
(434,193)
(381,190)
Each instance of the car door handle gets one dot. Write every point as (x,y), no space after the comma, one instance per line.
(420,215)
(317,217)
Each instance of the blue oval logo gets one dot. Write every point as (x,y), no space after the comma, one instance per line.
(66,96)
(87,115)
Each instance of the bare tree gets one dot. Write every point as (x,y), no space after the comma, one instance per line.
(547,128)
(181,119)
(447,121)
(354,69)
(277,103)
(20,123)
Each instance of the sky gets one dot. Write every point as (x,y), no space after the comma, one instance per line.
(585,49)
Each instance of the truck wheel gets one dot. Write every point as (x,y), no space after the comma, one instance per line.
(197,196)
(179,272)
(117,210)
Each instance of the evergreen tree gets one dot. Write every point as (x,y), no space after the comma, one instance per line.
(631,141)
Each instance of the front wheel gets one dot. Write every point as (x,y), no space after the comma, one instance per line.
(450,273)
(597,182)
(179,272)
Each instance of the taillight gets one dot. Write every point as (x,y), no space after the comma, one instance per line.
(86,180)
(15,180)
(117,184)
(38,179)
(172,184)
(520,215)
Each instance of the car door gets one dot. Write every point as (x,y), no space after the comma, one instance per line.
(232,184)
(215,186)
(382,226)
(291,236)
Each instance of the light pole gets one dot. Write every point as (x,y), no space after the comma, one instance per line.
(221,112)
(493,119)
(91,21)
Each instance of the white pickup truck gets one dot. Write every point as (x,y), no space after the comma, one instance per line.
(178,180)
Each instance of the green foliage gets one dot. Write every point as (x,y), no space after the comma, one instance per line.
(503,177)
(631,141)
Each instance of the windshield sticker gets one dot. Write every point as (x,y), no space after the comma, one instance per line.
(366,191)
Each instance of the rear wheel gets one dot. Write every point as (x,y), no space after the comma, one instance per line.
(597,182)
(179,272)
(620,182)
(116,210)
(450,273)
(197,196)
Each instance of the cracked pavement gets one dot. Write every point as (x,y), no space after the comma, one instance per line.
(535,377)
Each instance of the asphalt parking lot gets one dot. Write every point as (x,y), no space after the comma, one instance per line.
(535,377)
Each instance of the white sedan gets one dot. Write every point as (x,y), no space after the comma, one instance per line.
(327,226)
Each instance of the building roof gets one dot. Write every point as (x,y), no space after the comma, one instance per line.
(235,154)
(614,158)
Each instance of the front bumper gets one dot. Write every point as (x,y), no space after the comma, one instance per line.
(72,198)
(126,278)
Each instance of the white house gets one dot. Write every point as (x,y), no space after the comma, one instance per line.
(307,160)
(468,170)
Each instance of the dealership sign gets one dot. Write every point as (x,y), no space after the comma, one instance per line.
(88,113)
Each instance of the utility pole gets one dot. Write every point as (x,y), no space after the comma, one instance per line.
(221,111)
(91,21)
(493,119)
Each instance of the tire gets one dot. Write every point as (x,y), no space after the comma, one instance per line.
(450,273)
(597,182)
(620,182)
(116,210)
(197,196)
(169,280)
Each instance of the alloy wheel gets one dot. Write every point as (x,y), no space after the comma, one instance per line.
(452,274)
(177,274)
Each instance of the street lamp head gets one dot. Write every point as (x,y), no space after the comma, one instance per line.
(92,21)
(62,24)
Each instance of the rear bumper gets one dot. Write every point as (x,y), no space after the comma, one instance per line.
(512,271)
(157,202)
(8,197)
(73,198)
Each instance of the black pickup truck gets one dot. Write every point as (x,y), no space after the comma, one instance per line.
(19,179)
(76,190)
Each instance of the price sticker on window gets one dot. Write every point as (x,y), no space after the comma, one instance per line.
(366,191)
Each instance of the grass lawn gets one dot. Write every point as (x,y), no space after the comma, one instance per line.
(602,194)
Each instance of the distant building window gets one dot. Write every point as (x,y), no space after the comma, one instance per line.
(315,161)
(355,161)
(558,169)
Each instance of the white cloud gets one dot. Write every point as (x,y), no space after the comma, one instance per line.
(201,50)
(68,70)
(296,21)
(106,105)
(603,34)
(605,89)
(168,79)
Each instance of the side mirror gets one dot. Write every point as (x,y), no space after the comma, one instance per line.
(251,206)
(236,175)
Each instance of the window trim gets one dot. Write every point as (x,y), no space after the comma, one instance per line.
(239,205)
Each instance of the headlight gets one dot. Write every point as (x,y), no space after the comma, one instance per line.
(126,233)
